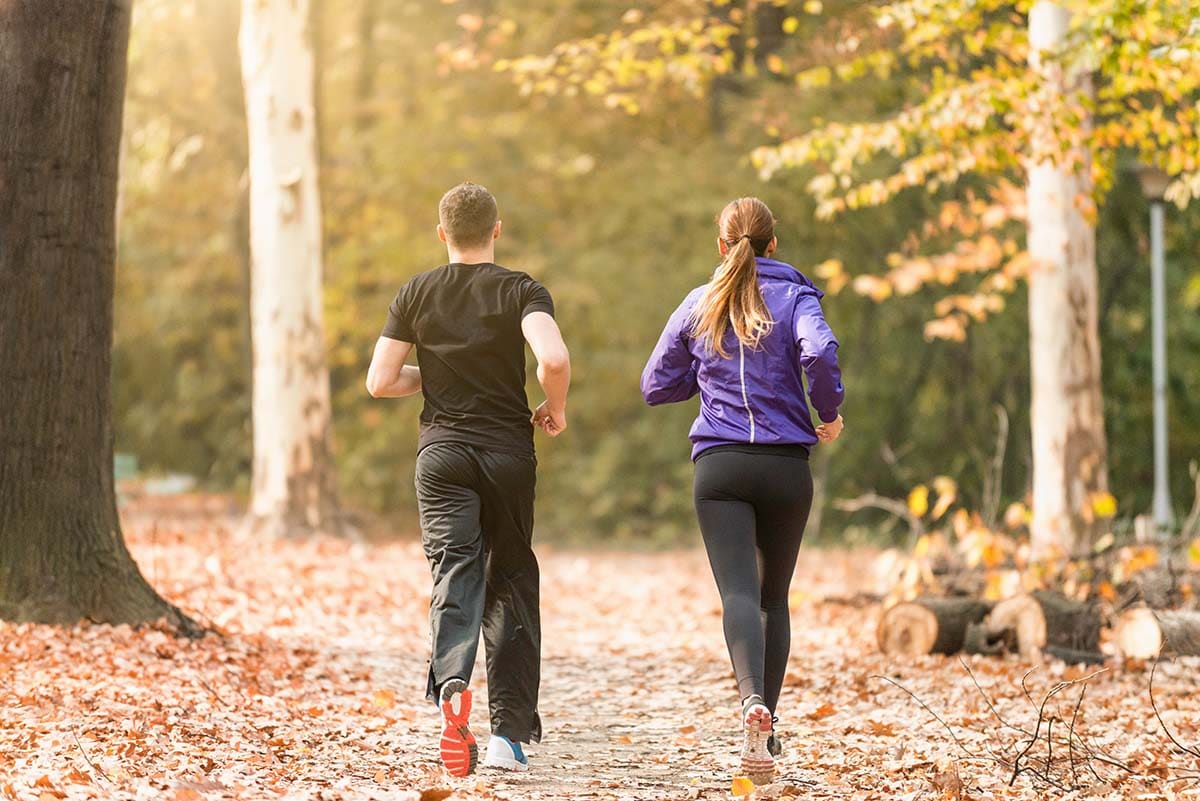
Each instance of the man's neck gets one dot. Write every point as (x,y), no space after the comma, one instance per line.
(478,256)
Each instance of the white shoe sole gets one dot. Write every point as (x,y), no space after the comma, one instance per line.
(500,763)
(757,763)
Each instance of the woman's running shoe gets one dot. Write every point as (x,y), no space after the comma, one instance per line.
(504,754)
(757,763)
(460,754)
(774,747)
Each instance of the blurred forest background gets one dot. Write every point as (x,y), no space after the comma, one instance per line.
(609,200)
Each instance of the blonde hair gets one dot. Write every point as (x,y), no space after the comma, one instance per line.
(733,297)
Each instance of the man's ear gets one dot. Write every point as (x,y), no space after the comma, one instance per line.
(496,230)
(722,248)
(442,233)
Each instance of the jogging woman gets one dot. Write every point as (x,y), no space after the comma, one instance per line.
(743,341)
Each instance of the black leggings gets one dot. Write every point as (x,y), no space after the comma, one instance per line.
(752,503)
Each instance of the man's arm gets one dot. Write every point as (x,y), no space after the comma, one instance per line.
(388,376)
(554,370)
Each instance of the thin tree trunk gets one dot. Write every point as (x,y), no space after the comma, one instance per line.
(1069,451)
(62,84)
(293,485)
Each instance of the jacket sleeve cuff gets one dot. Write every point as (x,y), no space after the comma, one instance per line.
(828,416)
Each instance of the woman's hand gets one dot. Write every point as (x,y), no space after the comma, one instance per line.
(828,432)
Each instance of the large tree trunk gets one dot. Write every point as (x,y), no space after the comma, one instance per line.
(62,83)
(294,486)
(1069,453)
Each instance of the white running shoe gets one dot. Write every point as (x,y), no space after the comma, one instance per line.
(504,754)
(757,763)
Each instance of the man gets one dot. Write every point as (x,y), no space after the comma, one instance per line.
(469,321)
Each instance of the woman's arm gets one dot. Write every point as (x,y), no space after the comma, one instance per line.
(670,374)
(818,357)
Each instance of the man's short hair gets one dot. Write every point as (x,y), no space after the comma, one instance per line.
(468,214)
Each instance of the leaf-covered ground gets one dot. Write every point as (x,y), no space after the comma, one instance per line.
(312,689)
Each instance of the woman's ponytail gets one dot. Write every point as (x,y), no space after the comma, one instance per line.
(733,297)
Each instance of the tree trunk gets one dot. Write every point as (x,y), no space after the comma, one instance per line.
(293,485)
(1069,452)
(928,625)
(62,83)
(1146,633)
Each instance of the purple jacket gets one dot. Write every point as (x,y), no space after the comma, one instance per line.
(755,396)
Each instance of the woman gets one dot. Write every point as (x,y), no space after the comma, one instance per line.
(743,341)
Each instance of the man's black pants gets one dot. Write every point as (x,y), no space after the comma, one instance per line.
(477,529)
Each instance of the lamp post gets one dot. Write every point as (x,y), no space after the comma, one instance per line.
(1154,185)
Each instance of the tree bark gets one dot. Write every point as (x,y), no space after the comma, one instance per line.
(928,625)
(294,486)
(1069,450)
(62,82)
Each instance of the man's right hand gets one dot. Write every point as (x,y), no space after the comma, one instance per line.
(552,422)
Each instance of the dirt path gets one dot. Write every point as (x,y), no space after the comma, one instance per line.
(313,690)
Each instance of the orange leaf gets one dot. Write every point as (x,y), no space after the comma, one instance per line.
(741,786)
(823,711)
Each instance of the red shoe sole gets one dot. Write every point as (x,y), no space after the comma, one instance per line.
(459,751)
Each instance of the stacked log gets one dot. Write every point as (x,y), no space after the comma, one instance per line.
(928,625)
(1145,633)
(1047,622)
(1032,625)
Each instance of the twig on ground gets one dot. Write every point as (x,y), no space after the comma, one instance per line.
(1189,750)
(86,759)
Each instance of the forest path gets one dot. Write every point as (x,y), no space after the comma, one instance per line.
(312,688)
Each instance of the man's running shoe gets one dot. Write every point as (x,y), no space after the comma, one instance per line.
(504,754)
(460,754)
(757,763)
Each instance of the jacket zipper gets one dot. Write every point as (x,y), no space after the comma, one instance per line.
(745,397)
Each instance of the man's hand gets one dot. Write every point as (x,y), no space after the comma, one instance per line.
(552,422)
(828,432)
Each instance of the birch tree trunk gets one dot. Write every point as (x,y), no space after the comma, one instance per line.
(294,485)
(1069,451)
(62,85)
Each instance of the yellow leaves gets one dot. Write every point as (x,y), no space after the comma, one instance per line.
(953,328)
(1194,553)
(918,500)
(872,286)
(947,491)
(1104,505)
(741,786)
(833,273)
(632,17)
(813,7)
(384,699)
(791,25)
(775,63)
(471,23)
(1017,515)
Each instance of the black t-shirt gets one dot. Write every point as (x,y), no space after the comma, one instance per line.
(465,320)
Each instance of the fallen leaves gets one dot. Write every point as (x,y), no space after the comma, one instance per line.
(313,688)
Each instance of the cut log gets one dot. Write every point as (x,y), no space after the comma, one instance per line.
(1041,621)
(1144,633)
(928,625)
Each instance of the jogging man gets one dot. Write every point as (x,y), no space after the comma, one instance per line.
(469,321)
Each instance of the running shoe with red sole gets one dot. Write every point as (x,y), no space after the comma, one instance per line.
(460,753)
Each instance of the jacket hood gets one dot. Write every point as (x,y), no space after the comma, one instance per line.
(782,271)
